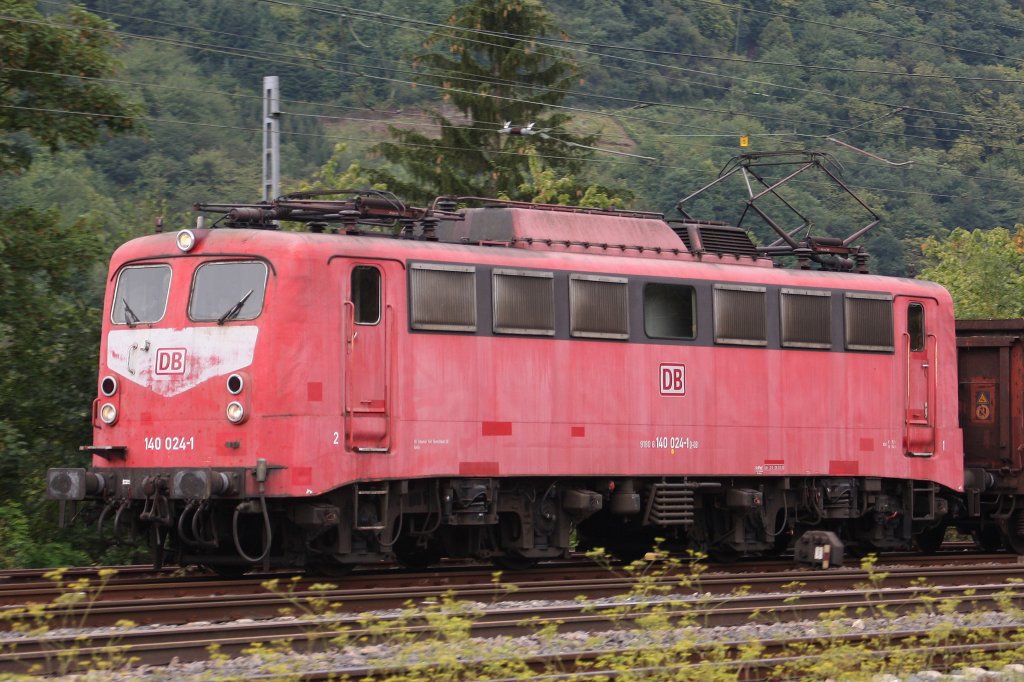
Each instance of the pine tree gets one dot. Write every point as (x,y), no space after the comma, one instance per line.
(492,69)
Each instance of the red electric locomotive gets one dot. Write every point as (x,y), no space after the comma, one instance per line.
(479,381)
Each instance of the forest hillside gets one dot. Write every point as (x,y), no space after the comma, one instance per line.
(916,105)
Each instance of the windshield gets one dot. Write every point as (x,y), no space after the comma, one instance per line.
(229,290)
(141,294)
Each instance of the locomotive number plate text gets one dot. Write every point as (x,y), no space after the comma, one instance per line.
(170,443)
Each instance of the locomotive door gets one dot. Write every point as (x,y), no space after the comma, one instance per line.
(366,327)
(919,350)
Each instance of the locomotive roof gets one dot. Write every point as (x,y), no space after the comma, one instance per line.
(279,247)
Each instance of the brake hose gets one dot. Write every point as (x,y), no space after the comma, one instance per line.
(261,479)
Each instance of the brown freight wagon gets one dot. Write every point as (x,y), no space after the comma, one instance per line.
(990,359)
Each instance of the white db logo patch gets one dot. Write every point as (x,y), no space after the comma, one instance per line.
(170,361)
(673,380)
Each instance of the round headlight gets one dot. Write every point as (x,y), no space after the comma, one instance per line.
(108,386)
(108,413)
(186,239)
(235,412)
(235,384)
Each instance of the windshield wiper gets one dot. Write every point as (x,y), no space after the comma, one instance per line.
(129,315)
(232,313)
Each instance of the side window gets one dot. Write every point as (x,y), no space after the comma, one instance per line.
(442,297)
(670,311)
(228,290)
(141,294)
(524,302)
(806,318)
(915,326)
(366,294)
(869,322)
(598,307)
(740,316)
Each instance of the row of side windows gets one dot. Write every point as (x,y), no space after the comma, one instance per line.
(444,298)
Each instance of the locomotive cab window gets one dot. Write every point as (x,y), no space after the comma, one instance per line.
(524,302)
(669,311)
(366,294)
(228,290)
(869,322)
(740,316)
(915,326)
(598,307)
(806,318)
(442,297)
(140,296)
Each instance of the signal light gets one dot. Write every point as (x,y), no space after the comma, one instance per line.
(108,386)
(108,414)
(185,240)
(235,384)
(235,412)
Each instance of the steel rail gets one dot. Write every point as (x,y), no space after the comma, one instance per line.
(160,646)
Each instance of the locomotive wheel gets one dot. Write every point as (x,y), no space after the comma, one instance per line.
(416,557)
(1014,537)
(328,569)
(228,571)
(514,562)
(930,540)
(989,538)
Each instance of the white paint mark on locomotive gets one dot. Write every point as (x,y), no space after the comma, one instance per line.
(672,379)
(672,443)
(184,358)
(420,442)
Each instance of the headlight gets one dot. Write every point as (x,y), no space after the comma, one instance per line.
(108,386)
(186,239)
(235,412)
(235,384)
(108,413)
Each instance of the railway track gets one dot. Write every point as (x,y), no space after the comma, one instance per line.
(544,597)
(176,601)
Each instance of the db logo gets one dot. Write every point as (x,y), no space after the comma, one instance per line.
(170,361)
(673,380)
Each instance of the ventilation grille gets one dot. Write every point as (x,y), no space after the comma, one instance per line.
(598,307)
(443,297)
(869,322)
(717,239)
(806,319)
(524,302)
(740,315)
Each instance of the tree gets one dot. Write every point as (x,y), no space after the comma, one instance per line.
(49,67)
(50,280)
(983,270)
(492,70)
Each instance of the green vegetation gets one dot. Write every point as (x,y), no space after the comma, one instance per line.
(659,631)
(488,64)
(983,270)
(122,111)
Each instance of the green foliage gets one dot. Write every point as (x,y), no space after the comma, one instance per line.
(49,63)
(502,75)
(544,187)
(982,269)
(20,546)
(334,174)
(69,610)
(50,279)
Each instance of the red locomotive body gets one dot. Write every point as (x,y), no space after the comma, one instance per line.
(507,375)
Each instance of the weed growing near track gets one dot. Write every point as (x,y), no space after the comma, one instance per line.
(660,630)
(68,612)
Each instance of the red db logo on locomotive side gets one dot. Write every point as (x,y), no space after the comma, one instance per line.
(673,380)
(170,361)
